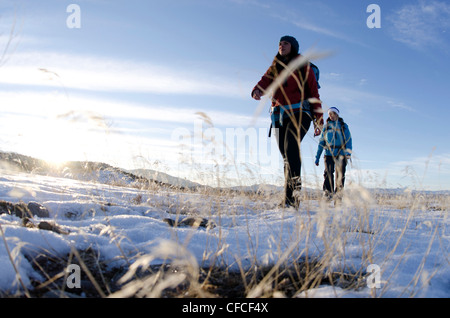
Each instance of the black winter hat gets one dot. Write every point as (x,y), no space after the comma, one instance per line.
(292,41)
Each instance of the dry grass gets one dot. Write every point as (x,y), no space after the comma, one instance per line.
(316,253)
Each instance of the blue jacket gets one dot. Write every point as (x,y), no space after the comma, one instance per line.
(335,139)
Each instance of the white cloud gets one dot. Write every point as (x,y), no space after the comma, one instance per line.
(100,111)
(433,163)
(400,105)
(56,127)
(328,32)
(110,75)
(423,24)
(256,3)
(418,173)
(427,173)
(304,22)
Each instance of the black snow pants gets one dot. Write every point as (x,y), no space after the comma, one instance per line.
(332,165)
(289,137)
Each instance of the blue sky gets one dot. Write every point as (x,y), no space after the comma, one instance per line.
(166,85)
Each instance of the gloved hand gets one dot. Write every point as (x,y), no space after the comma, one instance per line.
(348,158)
(257,94)
(317,162)
(318,125)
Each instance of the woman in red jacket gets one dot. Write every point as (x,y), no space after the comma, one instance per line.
(291,111)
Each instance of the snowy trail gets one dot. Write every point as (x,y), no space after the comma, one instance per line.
(411,247)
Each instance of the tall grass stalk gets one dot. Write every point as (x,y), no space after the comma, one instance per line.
(309,247)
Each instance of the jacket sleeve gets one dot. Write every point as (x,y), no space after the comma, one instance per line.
(320,147)
(264,83)
(348,141)
(313,92)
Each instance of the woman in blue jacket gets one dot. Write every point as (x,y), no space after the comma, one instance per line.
(337,142)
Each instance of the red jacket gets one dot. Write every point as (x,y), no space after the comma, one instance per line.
(292,91)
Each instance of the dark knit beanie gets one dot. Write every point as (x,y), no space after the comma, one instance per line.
(292,41)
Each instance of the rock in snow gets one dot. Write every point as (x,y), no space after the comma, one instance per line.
(24,210)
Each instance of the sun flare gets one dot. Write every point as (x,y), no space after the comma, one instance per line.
(58,141)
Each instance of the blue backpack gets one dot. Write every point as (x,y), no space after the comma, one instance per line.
(316,72)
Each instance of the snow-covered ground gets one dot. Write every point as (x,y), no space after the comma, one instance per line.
(406,237)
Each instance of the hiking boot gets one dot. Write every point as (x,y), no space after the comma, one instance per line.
(291,202)
(327,196)
(292,192)
(337,199)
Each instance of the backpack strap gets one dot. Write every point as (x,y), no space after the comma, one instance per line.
(343,124)
(315,71)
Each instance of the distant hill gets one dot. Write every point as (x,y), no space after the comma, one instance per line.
(91,171)
(14,161)
(165,178)
(105,173)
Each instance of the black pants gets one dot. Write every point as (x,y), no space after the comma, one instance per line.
(290,136)
(332,165)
